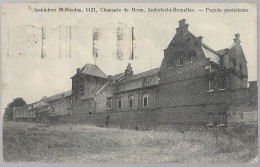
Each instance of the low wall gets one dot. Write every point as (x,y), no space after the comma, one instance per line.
(142,118)
(146,119)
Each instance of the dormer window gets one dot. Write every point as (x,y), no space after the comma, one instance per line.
(146,82)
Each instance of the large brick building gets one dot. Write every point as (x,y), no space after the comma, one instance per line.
(194,85)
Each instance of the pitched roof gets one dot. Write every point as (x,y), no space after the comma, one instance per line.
(117,76)
(58,96)
(91,93)
(94,70)
(142,75)
(141,80)
(222,51)
(210,54)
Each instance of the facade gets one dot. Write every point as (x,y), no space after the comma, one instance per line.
(53,106)
(194,85)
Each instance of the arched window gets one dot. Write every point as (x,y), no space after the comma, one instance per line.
(181,59)
(169,64)
(145,100)
(109,103)
(223,84)
(240,67)
(119,103)
(191,56)
(234,63)
(131,101)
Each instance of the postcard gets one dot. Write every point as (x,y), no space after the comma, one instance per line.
(129,83)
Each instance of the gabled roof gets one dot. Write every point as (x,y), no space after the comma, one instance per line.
(222,51)
(93,70)
(117,76)
(142,75)
(210,54)
(141,80)
(39,104)
(58,96)
(208,51)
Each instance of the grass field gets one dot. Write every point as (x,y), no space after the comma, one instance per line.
(29,142)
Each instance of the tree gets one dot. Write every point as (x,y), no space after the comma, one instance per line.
(17,102)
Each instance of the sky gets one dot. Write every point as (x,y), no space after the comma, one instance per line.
(26,75)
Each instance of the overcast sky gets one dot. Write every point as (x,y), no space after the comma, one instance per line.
(27,75)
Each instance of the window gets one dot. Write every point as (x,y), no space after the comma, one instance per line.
(221,60)
(145,100)
(191,59)
(192,56)
(131,101)
(119,103)
(210,86)
(240,67)
(169,64)
(222,119)
(210,119)
(109,103)
(181,61)
(157,100)
(222,84)
(208,69)
(234,63)
(146,82)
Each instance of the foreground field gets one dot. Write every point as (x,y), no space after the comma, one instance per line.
(28,142)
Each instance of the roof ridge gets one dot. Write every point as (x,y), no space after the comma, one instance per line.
(205,45)
(100,70)
(147,71)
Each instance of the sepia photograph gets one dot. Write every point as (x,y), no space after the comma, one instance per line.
(129,83)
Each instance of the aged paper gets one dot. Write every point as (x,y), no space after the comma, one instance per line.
(129,82)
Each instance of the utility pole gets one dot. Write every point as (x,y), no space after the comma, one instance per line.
(59,42)
(70,42)
(93,46)
(95,37)
(43,55)
(132,55)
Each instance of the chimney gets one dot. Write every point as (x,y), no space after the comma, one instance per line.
(186,26)
(78,70)
(182,23)
(128,70)
(237,38)
(199,40)
(253,85)
(109,78)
